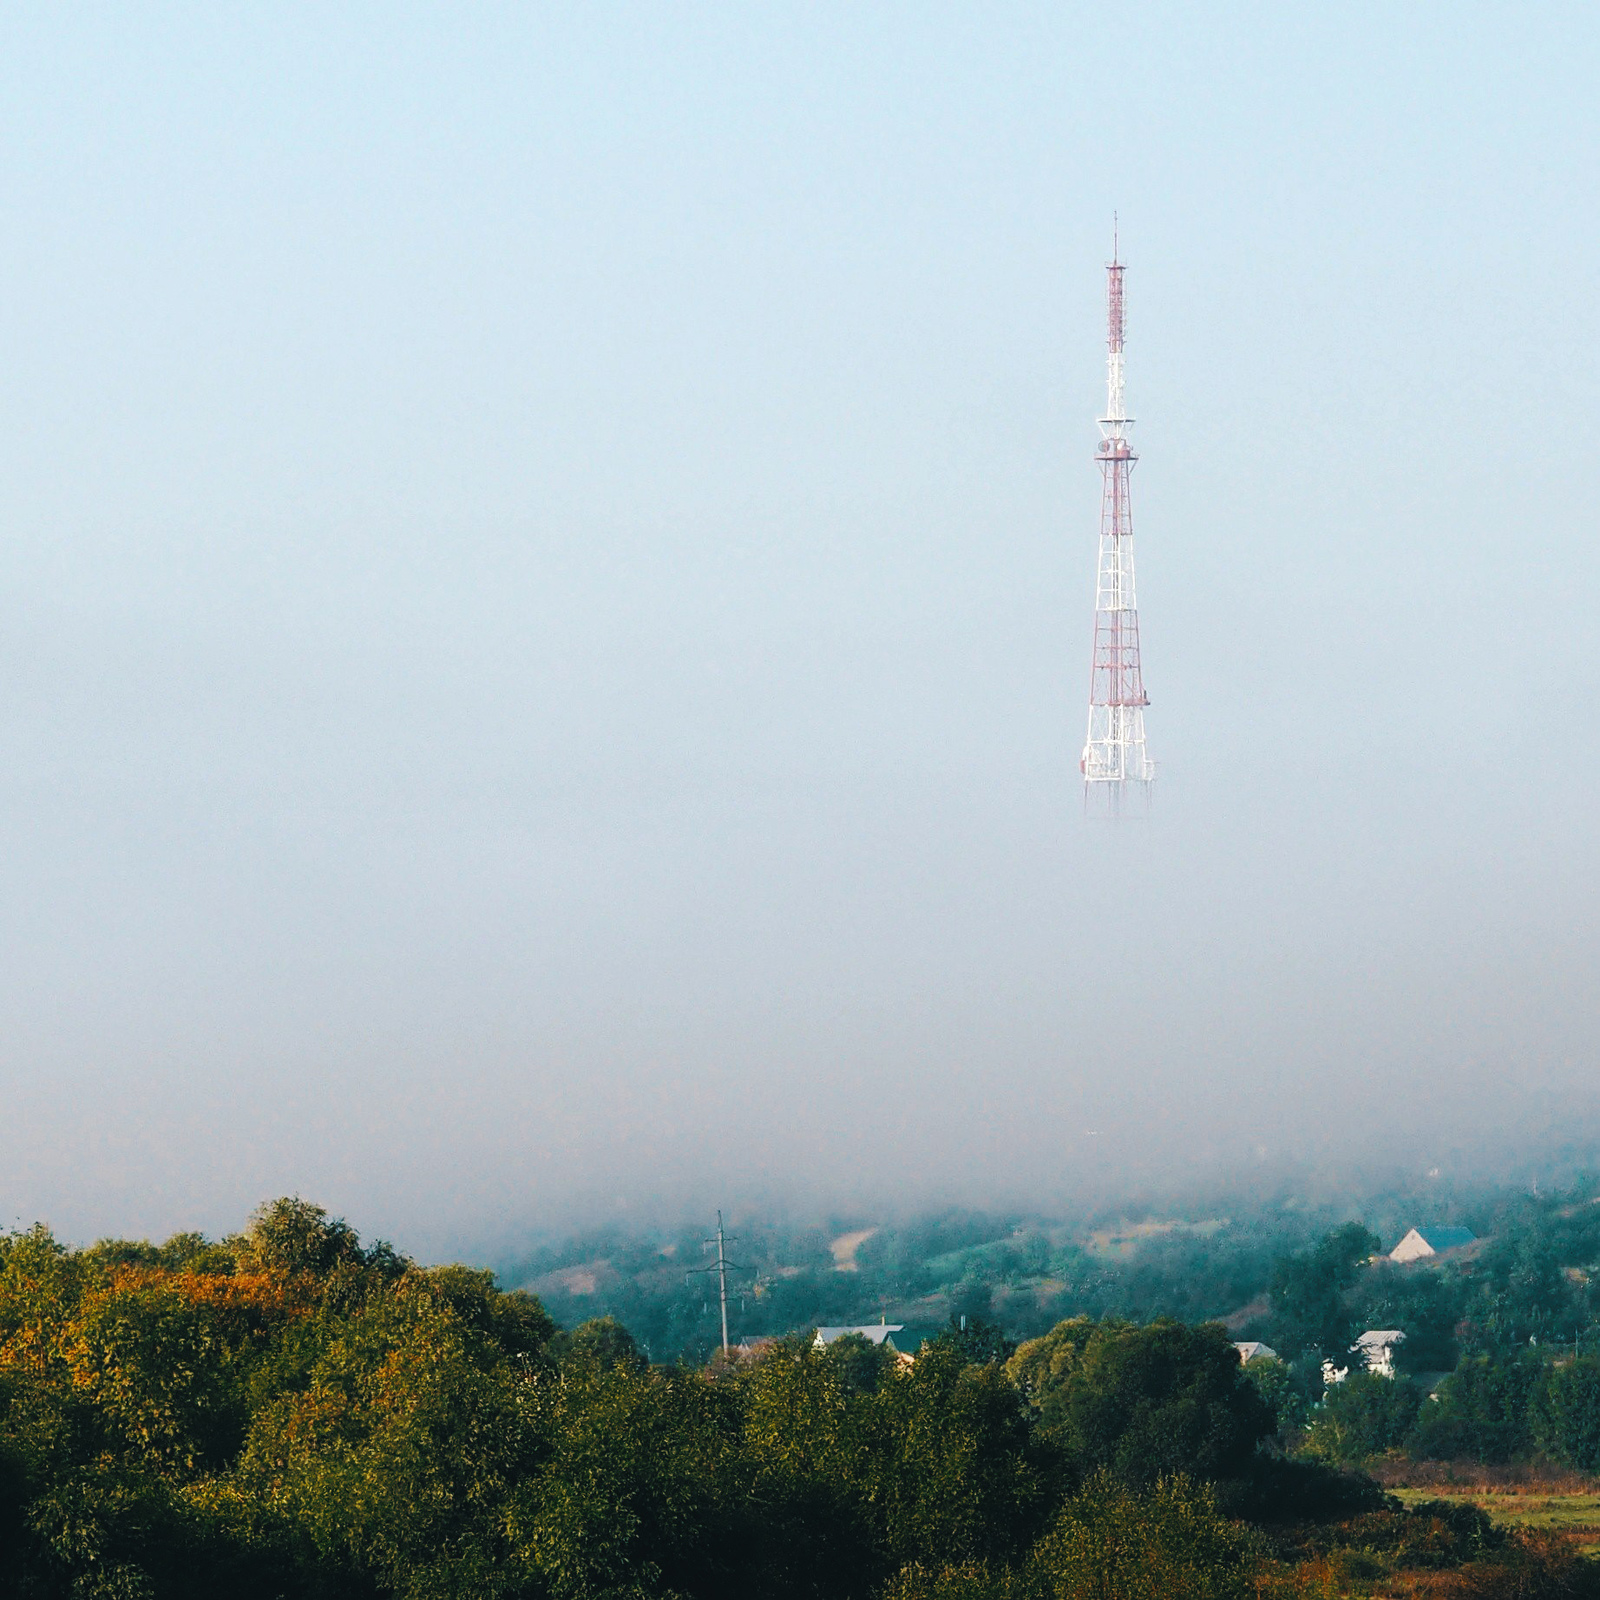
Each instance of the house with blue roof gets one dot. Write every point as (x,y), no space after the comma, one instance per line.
(1421,1243)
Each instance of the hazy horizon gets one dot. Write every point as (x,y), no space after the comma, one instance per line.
(544,623)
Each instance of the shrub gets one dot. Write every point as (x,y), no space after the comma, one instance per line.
(1279,1491)
(972,1580)
(1112,1543)
(1530,1566)
(1363,1417)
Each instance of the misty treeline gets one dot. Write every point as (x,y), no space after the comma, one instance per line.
(1500,1361)
(290,1412)
(1262,1266)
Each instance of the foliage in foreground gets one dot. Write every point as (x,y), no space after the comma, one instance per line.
(290,1413)
(1112,1541)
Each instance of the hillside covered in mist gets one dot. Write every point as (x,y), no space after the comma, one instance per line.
(1212,1258)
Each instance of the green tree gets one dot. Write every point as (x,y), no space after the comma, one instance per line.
(1568,1421)
(1421,1300)
(1144,1402)
(805,1434)
(397,1459)
(292,1235)
(1484,1410)
(516,1324)
(157,1367)
(103,1530)
(1521,1292)
(1363,1417)
(599,1342)
(636,1494)
(1309,1293)
(861,1365)
(947,1470)
(1285,1394)
(41,1283)
(970,1580)
(977,1338)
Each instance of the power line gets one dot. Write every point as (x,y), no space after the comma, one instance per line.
(722,1266)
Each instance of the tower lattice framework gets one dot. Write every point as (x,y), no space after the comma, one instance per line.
(1114,752)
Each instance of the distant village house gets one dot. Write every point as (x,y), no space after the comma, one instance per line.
(872,1332)
(1372,1352)
(1421,1243)
(897,1337)
(1253,1350)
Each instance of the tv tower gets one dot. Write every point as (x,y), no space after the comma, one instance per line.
(1114,754)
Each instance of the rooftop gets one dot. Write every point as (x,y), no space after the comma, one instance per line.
(872,1332)
(1441,1239)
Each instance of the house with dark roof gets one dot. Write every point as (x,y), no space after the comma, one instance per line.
(896,1336)
(1421,1243)
(872,1332)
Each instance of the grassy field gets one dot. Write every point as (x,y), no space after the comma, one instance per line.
(1515,1498)
(1574,1514)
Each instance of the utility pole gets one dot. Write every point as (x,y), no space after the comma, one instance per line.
(1114,754)
(722,1266)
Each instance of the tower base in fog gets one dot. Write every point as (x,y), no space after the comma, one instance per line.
(1116,750)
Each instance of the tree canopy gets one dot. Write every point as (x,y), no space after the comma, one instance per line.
(1144,1402)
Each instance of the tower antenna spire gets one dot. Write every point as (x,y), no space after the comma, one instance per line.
(1114,754)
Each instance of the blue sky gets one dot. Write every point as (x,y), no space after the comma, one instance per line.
(546,583)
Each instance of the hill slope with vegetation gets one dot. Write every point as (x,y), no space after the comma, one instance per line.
(1536,1273)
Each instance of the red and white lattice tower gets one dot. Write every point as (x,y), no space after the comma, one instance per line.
(1114,754)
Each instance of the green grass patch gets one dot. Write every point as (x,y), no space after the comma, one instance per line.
(1574,1514)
